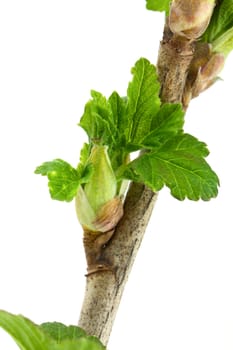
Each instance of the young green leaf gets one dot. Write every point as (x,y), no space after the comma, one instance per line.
(48,336)
(119,121)
(64,180)
(158,5)
(72,337)
(84,169)
(84,155)
(180,165)
(224,44)
(120,118)
(59,332)
(221,21)
(168,122)
(88,343)
(26,334)
(98,120)
(143,100)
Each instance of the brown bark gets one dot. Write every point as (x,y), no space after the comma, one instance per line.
(175,55)
(105,283)
(114,259)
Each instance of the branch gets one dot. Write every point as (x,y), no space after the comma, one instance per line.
(105,286)
(114,260)
(175,55)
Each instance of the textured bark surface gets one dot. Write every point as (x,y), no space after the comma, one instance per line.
(104,287)
(114,259)
(175,56)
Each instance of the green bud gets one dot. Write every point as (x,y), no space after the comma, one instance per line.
(102,186)
(97,205)
(190,18)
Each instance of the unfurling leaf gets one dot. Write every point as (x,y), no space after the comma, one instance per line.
(220,30)
(97,119)
(63,179)
(221,21)
(224,44)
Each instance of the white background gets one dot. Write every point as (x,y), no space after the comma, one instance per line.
(180,294)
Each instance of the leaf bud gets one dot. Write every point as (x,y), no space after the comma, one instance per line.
(208,73)
(190,18)
(97,205)
(213,67)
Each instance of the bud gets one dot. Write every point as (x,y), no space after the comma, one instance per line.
(102,186)
(208,73)
(213,67)
(190,18)
(97,205)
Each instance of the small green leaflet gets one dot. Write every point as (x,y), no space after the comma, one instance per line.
(180,165)
(48,336)
(158,5)
(64,180)
(219,32)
